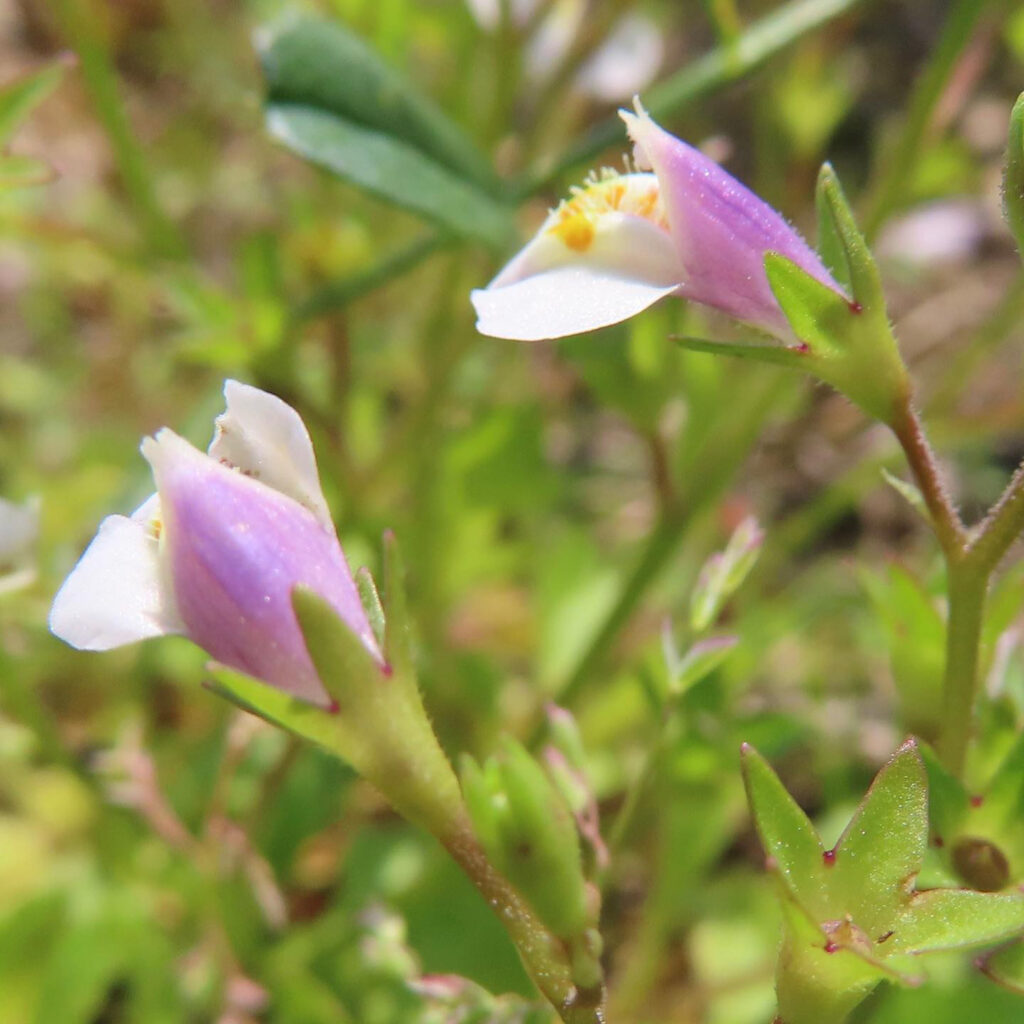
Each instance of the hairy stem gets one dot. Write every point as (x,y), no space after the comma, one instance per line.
(545,956)
(945,519)
(1001,527)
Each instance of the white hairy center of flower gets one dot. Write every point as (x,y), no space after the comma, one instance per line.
(576,219)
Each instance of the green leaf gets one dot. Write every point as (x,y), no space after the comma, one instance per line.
(1013,175)
(956,918)
(793,356)
(17,98)
(1006,967)
(335,102)
(791,844)
(479,795)
(392,170)
(881,850)
(699,662)
(319,63)
(541,852)
(275,706)
(723,574)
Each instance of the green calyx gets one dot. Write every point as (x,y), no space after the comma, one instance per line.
(844,340)
(377,722)
(852,914)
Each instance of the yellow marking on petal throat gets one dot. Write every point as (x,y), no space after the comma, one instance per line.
(576,231)
(577,217)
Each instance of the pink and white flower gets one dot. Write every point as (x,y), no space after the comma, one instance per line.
(216,552)
(680,225)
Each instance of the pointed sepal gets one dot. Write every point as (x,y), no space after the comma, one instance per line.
(881,850)
(791,845)
(940,919)
(846,245)
(398,632)
(848,344)
(387,736)
(1013,175)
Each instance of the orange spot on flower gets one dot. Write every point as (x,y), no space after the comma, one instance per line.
(577,218)
(576,231)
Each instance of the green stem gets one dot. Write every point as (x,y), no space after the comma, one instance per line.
(969,563)
(545,957)
(945,519)
(967,587)
(1001,527)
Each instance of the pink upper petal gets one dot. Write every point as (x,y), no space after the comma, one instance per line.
(235,550)
(721,230)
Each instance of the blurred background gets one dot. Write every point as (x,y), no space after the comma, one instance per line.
(164,858)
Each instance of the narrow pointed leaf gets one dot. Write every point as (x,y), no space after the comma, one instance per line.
(830,244)
(477,793)
(790,841)
(391,169)
(862,273)
(275,706)
(337,103)
(794,356)
(700,661)
(318,63)
(17,98)
(1013,175)
(956,918)
(723,574)
(881,851)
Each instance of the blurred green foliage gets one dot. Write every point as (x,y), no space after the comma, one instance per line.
(163,858)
